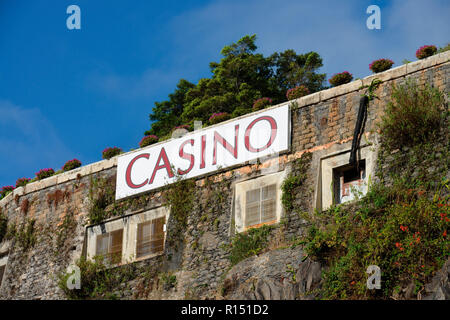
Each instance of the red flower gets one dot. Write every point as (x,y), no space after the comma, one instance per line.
(445,233)
(404,228)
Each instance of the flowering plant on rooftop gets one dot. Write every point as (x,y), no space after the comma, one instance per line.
(71,164)
(109,152)
(183,126)
(341,78)
(22,182)
(148,140)
(381,65)
(218,117)
(45,173)
(261,103)
(426,51)
(297,92)
(5,190)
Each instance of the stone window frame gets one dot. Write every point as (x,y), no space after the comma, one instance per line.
(129,224)
(330,162)
(240,189)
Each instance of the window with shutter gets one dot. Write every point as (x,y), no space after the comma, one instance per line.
(260,205)
(150,237)
(109,246)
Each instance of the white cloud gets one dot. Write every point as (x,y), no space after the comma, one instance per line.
(28,142)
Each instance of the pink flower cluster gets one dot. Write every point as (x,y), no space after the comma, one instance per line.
(5,190)
(22,181)
(341,78)
(45,173)
(425,51)
(71,164)
(297,92)
(109,152)
(218,117)
(381,65)
(148,140)
(261,103)
(183,126)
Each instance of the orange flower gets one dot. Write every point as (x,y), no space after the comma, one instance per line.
(353,282)
(445,233)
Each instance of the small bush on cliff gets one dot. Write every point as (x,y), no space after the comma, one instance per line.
(21,182)
(381,65)
(25,235)
(413,115)
(45,173)
(148,140)
(249,243)
(5,191)
(218,117)
(340,78)
(426,51)
(108,153)
(71,164)
(297,92)
(261,103)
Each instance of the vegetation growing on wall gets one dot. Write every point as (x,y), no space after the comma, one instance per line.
(401,224)
(294,180)
(249,243)
(413,116)
(179,198)
(25,235)
(98,279)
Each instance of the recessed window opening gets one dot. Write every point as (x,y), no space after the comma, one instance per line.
(150,237)
(260,205)
(109,246)
(348,182)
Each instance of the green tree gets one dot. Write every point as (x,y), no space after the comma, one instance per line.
(241,77)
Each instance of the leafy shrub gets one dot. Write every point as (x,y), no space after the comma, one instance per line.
(381,65)
(5,190)
(22,182)
(25,235)
(261,103)
(218,117)
(108,153)
(443,49)
(412,115)
(45,173)
(297,92)
(426,51)
(71,164)
(402,230)
(340,78)
(148,140)
(98,280)
(249,243)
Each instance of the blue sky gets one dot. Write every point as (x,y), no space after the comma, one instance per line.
(68,94)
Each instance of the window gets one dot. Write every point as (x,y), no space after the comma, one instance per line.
(150,237)
(260,205)
(128,238)
(339,182)
(348,182)
(109,246)
(258,201)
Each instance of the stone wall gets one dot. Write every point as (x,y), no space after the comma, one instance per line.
(322,125)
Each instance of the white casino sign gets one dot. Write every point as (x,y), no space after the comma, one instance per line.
(203,151)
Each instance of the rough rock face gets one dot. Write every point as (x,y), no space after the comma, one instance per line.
(282,274)
(439,287)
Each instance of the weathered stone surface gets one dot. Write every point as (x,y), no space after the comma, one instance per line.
(439,287)
(282,274)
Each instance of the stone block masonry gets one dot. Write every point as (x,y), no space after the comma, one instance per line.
(196,254)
